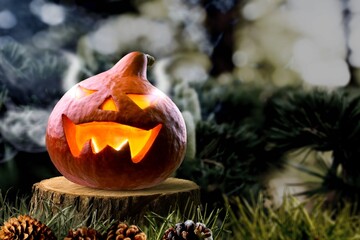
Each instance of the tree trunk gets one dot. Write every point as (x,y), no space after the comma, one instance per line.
(58,194)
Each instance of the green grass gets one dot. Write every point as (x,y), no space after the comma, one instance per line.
(293,220)
(154,225)
(238,219)
(213,219)
(7,209)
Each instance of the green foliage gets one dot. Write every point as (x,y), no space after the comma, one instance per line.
(322,121)
(247,132)
(9,209)
(232,154)
(292,220)
(64,220)
(319,119)
(243,220)
(29,76)
(234,103)
(154,225)
(157,225)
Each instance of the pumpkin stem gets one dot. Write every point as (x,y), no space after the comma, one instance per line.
(133,64)
(150,60)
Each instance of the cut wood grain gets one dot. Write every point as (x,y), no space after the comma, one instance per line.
(58,194)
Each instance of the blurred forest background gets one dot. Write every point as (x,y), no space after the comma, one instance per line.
(223,62)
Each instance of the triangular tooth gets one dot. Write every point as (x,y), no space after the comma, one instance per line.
(96,145)
(120,144)
(141,146)
(138,140)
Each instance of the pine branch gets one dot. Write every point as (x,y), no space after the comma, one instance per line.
(22,68)
(233,103)
(15,54)
(318,119)
(322,121)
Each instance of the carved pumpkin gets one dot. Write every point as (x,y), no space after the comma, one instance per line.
(116,131)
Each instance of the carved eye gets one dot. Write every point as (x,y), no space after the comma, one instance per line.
(143,101)
(82,92)
(109,105)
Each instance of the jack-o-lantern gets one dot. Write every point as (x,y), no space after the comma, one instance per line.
(115,130)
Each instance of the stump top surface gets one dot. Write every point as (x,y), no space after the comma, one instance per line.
(62,185)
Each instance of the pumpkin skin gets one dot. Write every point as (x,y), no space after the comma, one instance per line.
(116,104)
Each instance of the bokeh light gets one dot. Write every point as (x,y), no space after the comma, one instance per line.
(7,19)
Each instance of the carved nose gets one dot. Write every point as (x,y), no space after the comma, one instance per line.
(109,105)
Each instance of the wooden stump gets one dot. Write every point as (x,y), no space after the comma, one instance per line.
(56,194)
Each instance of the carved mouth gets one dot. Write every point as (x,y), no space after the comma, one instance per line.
(115,135)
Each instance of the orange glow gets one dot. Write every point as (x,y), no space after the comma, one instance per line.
(109,105)
(82,92)
(115,135)
(143,101)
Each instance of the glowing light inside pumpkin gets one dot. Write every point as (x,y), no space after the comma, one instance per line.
(109,105)
(143,101)
(82,92)
(115,135)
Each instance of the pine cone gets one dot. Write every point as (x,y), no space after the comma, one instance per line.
(188,231)
(25,227)
(121,231)
(83,233)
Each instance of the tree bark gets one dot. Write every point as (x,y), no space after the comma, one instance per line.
(56,194)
